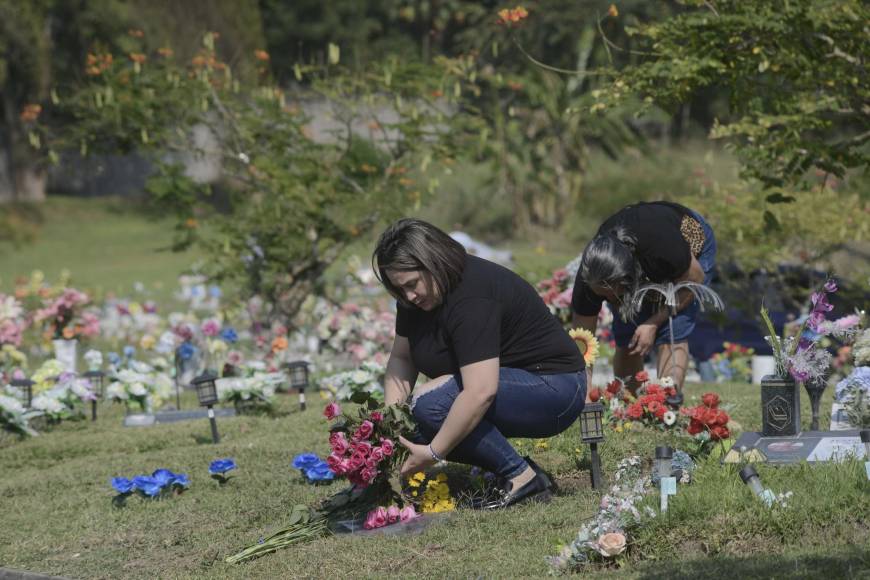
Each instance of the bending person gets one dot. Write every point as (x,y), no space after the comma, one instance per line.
(645,242)
(500,364)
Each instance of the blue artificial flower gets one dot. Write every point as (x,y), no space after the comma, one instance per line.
(229,334)
(858,379)
(129,351)
(320,472)
(163,476)
(186,351)
(306,460)
(114,359)
(214,291)
(122,484)
(147,485)
(221,466)
(180,480)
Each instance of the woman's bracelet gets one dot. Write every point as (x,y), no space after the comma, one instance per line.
(435,456)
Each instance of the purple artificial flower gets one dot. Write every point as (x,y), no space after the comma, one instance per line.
(831,285)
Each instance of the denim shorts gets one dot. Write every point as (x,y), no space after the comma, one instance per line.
(684,321)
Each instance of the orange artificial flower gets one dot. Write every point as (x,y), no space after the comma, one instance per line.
(137,57)
(512,16)
(279,343)
(30,113)
(612,11)
(68,333)
(165,52)
(261,55)
(191,223)
(135,33)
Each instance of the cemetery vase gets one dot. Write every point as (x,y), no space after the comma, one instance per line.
(780,406)
(65,352)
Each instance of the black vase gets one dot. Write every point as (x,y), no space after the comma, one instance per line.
(780,406)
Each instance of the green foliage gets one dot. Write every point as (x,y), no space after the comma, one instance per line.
(808,229)
(295,198)
(795,73)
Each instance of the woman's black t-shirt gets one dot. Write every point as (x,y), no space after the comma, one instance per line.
(491,313)
(662,251)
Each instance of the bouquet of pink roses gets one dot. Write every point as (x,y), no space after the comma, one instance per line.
(363,449)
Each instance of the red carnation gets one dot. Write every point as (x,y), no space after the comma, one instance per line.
(695,427)
(641,377)
(595,394)
(614,386)
(719,432)
(634,411)
(710,400)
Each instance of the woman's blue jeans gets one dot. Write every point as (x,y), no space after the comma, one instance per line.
(526,405)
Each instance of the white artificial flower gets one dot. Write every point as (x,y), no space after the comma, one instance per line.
(94,358)
(669,418)
(11,405)
(140,367)
(117,391)
(666,382)
(138,390)
(47,404)
(360,377)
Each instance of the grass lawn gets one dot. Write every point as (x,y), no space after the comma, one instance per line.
(106,244)
(57,515)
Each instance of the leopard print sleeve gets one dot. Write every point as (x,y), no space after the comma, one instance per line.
(693,233)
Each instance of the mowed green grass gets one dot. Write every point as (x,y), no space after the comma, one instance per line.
(107,245)
(57,515)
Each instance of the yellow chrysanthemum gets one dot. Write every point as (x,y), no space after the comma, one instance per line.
(586,342)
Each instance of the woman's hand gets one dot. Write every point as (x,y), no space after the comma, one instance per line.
(418,459)
(643,340)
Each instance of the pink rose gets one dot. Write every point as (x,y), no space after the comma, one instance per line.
(338,442)
(363,447)
(387,445)
(407,514)
(611,544)
(377,454)
(369,474)
(365,431)
(356,461)
(334,462)
(211,327)
(377,416)
(332,411)
(377,518)
(393,514)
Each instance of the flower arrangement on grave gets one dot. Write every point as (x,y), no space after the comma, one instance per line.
(708,424)
(63,316)
(360,331)
(137,382)
(364,450)
(648,408)
(368,378)
(254,387)
(14,418)
(733,363)
(65,399)
(800,355)
(853,391)
(604,538)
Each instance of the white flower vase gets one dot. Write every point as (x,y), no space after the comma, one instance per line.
(762,365)
(65,352)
